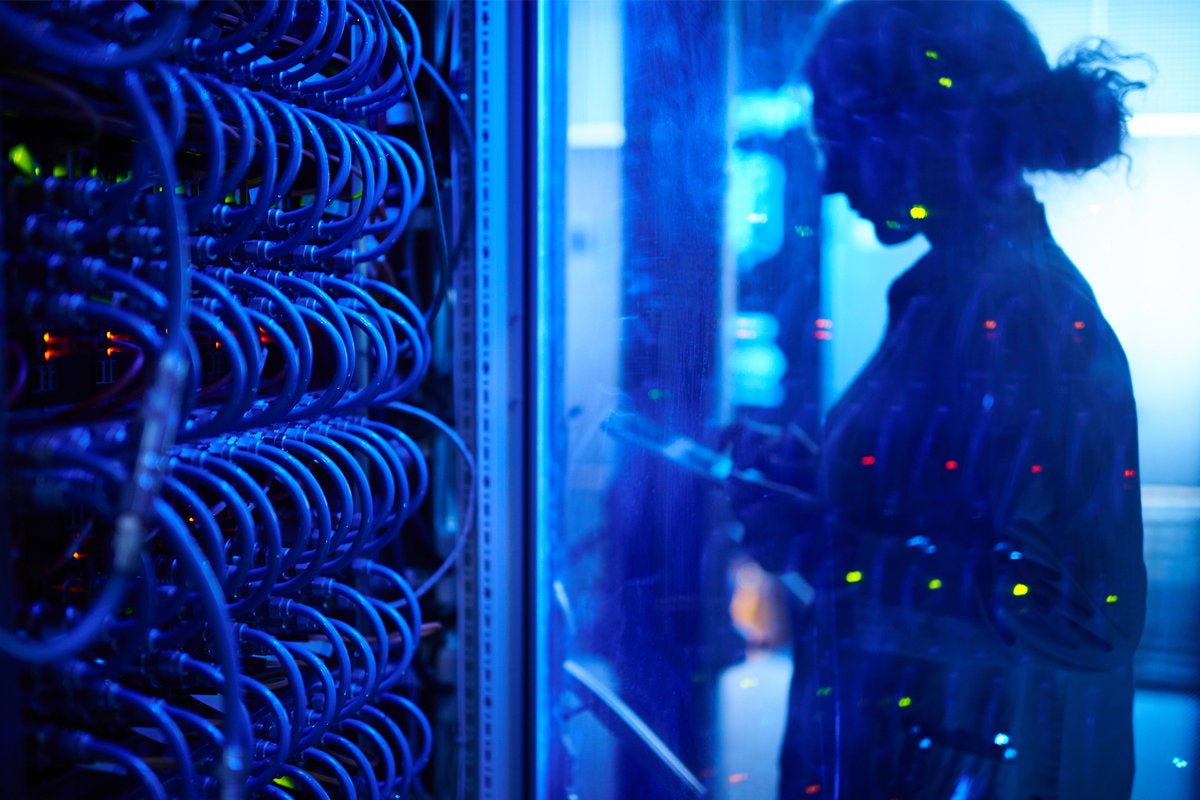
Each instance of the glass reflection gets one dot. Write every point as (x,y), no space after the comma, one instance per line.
(793,560)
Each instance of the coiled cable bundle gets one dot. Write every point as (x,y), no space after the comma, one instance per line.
(213,424)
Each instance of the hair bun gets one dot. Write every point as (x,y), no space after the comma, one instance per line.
(1077,113)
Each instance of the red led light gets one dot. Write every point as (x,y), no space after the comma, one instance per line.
(1079,325)
(868,460)
(812,789)
(952,464)
(1129,473)
(1035,469)
(990,324)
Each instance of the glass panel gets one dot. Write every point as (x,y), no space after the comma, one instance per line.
(838,523)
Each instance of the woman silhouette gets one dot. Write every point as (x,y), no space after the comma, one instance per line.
(979,579)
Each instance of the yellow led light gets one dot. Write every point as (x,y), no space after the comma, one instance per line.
(936,583)
(944,81)
(854,576)
(1020,590)
(1112,598)
(905,702)
(918,212)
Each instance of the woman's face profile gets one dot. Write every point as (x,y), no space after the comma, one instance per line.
(865,160)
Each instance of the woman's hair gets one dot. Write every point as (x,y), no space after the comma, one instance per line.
(968,79)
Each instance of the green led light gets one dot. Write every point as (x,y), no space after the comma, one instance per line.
(22,159)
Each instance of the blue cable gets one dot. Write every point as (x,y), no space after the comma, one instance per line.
(407,641)
(238,736)
(337,180)
(207,535)
(422,721)
(358,692)
(177,120)
(360,204)
(270,542)
(314,88)
(349,465)
(168,396)
(327,715)
(40,35)
(400,747)
(153,712)
(364,68)
(238,320)
(232,175)
(354,296)
(265,43)
(243,575)
(365,450)
(344,781)
(386,758)
(199,207)
(394,227)
(270,408)
(290,473)
(408,600)
(391,89)
(239,398)
(320,59)
(83,747)
(97,274)
(469,513)
(380,372)
(290,612)
(191,719)
(268,69)
(265,298)
(395,504)
(303,219)
(355,754)
(239,222)
(394,496)
(282,728)
(419,482)
(302,777)
(341,504)
(331,589)
(287,663)
(198,48)
(427,157)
